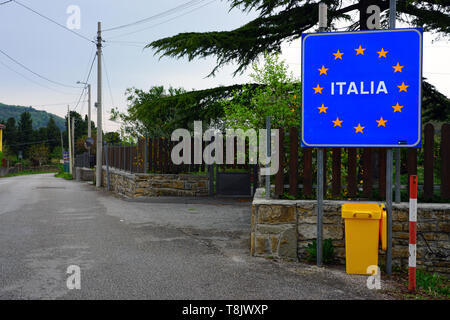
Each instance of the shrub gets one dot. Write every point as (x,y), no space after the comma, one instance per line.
(433,284)
(327,251)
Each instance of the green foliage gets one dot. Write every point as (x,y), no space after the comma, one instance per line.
(62,174)
(435,106)
(40,118)
(53,134)
(286,20)
(25,128)
(39,153)
(112,137)
(56,153)
(81,125)
(26,173)
(11,135)
(433,284)
(277,95)
(243,45)
(327,251)
(159,111)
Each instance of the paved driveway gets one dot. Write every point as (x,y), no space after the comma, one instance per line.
(163,248)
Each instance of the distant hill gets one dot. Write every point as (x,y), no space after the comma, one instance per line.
(40,118)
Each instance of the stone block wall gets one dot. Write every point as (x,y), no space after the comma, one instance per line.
(278,226)
(274,230)
(84,174)
(140,184)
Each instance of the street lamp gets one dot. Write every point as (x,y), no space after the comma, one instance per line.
(89,106)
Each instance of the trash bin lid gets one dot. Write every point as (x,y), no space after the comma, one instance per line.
(361,211)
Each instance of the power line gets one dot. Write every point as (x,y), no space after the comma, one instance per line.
(35,82)
(165,21)
(109,83)
(35,73)
(156,16)
(87,80)
(53,21)
(56,104)
(5,2)
(35,142)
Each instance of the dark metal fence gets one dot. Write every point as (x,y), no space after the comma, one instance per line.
(85,160)
(361,172)
(350,172)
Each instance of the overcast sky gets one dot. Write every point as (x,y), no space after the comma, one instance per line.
(63,57)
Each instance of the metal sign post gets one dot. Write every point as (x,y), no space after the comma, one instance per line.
(108,179)
(361,89)
(269,151)
(389,165)
(320,156)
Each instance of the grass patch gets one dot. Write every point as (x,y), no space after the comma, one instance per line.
(433,284)
(64,175)
(429,286)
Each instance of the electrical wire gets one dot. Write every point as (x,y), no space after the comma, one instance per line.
(156,16)
(35,142)
(35,82)
(87,81)
(165,21)
(53,21)
(35,73)
(109,83)
(56,104)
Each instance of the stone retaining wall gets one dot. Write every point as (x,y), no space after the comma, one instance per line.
(140,184)
(84,174)
(284,228)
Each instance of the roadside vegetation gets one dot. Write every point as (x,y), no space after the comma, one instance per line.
(62,174)
(26,172)
(429,286)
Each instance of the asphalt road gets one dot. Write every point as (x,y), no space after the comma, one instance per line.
(165,248)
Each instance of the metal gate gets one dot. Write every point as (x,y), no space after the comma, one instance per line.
(233,183)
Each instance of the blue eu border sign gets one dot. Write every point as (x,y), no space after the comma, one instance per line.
(362,89)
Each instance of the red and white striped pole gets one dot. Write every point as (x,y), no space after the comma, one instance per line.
(412,232)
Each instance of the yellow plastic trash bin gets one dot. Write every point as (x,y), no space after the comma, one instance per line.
(362,226)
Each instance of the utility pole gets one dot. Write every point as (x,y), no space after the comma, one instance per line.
(73,143)
(89,111)
(70,140)
(89,106)
(98,179)
(89,116)
(62,145)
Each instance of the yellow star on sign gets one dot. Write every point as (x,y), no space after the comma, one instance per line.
(360,50)
(382,53)
(359,128)
(398,68)
(323,70)
(397,108)
(381,122)
(322,109)
(402,87)
(318,89)
(337,122)
(338,55)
